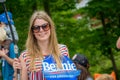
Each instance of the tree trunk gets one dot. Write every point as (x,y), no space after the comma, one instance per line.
(109,50)
(34,6)
(46,6)
(113,62)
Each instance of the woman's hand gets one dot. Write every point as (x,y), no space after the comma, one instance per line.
(16,64)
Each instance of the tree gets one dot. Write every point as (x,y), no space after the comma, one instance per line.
(101,10)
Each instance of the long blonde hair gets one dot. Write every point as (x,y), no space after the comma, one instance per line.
(31,43)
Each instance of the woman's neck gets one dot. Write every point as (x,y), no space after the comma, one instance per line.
(44,47)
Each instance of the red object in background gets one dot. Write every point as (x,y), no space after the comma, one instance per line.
(96,75)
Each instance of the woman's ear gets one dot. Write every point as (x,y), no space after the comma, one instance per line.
(88,65)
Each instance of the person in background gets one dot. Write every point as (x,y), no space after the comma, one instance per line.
(4,21)
(7,55)
(118,43)
(44,58)
(82,64)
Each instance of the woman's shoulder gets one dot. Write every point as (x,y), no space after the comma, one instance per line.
(24,53)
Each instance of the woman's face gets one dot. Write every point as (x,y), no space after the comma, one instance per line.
(41,30)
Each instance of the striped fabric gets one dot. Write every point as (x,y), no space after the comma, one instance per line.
(37,73)
(63,50)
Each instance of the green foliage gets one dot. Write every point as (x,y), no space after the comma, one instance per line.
(62,5)
(79,39)
(109,33)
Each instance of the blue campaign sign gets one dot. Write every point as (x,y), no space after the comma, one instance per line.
(68,71)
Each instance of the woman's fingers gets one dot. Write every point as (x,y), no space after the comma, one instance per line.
(16,64)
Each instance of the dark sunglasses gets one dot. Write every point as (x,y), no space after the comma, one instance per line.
(37,28)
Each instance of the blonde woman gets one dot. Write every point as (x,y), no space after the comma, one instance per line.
(43,54)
